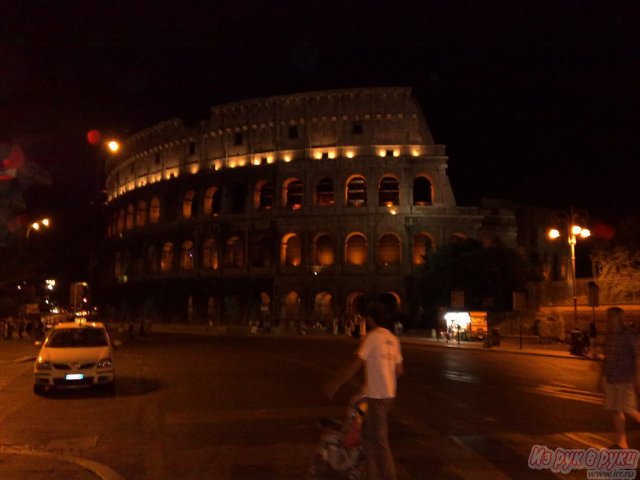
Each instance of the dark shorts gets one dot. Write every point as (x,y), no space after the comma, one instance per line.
(619,397)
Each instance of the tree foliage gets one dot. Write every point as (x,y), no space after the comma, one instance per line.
(487,274)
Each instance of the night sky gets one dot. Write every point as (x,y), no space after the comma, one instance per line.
(536,101)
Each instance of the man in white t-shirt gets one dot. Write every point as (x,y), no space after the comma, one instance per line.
(381,355)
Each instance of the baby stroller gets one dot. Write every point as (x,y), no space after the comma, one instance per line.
(340,453)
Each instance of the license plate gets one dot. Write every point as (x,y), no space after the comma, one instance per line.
(74,376)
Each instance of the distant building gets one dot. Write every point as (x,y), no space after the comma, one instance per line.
(297,208)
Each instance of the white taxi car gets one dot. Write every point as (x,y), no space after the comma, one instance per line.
(75,354)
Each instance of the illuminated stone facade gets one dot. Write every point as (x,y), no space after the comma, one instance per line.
(298,208)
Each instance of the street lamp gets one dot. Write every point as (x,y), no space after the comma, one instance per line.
(571,220)
(45,222)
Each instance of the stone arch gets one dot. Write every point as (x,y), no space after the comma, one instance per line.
(141,214)
(356,191)
(391,300)
(389,191)
(292,193)
(188,212)
(389,249)
(423,244)
(323,250)
(186,256)
(154,210)
(263,195)
(234,252)
(291,308)
(422,191)
(325,192)
(210,254)
(323,310)
(355,304)
(130,217)
(166,257)
(356,249)
(212,202)
(291,250)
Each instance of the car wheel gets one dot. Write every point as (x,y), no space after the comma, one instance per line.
(39,389)
(109,388)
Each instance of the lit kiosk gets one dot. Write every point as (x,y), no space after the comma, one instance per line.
(467,325)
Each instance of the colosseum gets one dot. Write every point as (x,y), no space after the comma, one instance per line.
(297,208)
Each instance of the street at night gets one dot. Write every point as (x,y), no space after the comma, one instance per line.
(247,407)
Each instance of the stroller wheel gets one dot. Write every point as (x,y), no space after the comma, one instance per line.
(319,467)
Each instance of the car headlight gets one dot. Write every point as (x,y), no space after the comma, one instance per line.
(104,363)
(42,365)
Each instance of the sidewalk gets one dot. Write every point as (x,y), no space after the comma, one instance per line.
(507,345)
(24,463)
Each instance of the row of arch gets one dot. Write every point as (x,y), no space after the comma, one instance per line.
(291,309)
(231,252)
(264,198)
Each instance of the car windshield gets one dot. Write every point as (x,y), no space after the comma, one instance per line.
(77,337)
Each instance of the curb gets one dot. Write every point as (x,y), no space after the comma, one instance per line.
(101,471)
(418,341)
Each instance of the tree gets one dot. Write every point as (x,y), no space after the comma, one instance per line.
(487,272)
(617,273)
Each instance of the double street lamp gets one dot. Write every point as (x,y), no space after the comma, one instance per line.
(45,222)
(572,221)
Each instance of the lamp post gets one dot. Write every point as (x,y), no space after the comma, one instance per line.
(572,221)
(45,222)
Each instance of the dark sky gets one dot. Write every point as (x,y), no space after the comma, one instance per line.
(536,101)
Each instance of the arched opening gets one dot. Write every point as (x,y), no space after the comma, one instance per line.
(117,264)
(422,246)
(457,238)
(234,309)
(152,259)
(166,259)
(210,255)
(261,252)
(422,191)
(190,309)
(356,191)
(389,249)
(121,215)
(263,195)
(391,300)
(291,308)
(130,217)
(325,195)
(234,252)
(212,201)
(154,210)
(186,256)
(356,249)
(356,304)
(323,309)
(291,250)
(323,254)
(389,192)
(141,214)
(293,192)
(213,310)
(265,307)
(187,205)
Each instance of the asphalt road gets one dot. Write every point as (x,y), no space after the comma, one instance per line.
(247,408)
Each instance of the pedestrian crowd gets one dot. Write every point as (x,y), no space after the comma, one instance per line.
(21,328)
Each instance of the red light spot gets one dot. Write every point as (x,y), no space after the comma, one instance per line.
(603,231)
(94,137)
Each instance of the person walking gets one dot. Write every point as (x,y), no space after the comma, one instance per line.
(381,356)
(620,374)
